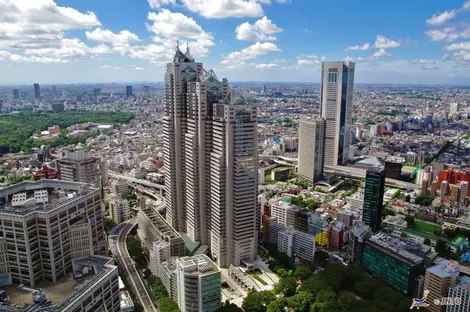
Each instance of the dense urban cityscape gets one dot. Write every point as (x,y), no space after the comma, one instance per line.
(196,193)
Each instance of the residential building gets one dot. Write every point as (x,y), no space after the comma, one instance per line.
(460,290)
(454,223)
(357,235)
(336,235)
(79,166)
(44,234)
(296,244)
(438,279)
(199,281)
(463,193)
(373,198)
(337,84)
(387,257)
(311,149)
(444,187)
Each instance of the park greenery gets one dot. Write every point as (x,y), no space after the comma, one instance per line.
(302,184)
(423,199)
(304,203)
(16,129)
(160,295)
(335,289)
(136,251)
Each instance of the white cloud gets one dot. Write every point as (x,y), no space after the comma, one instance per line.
(264,66)
(380,53)
(155,4)
(283,1)
(138,68)
(363,47)
(70,48)
(307,62)
(7,56)
(102,35)
(448,33)
(250,52)
(39,23)
(262,29)
(462,56)
(110,67)
(225,8)
(458,46)
(466,6)
(441,18)
(383,42)
(422,61)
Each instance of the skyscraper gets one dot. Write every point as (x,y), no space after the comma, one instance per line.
(311,149)
(210,152)
(336,107)
(16,94)
(146,90)
(37,92)
(234,182)
(97,91)
(129,91)
(373,198)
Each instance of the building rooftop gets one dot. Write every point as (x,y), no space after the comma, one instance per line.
(198,265)
(445,269)
(396,247)
(73,191)
(160,223)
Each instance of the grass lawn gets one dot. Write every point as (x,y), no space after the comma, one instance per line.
(425,227)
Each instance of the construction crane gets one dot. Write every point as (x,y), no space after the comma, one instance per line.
(38,294)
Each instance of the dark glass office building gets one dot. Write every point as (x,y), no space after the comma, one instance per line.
(373,198)
(129,91)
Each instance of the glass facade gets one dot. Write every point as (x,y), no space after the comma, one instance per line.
(373,198)
(395,272)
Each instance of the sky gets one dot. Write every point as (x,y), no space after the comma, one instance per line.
(101,41)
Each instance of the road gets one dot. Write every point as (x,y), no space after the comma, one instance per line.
(119,249)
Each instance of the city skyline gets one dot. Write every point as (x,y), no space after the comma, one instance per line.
(253,39)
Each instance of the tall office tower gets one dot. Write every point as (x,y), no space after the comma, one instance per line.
(54,90)
(177,75)
(79,166)
(210,151)
(311,149)
(37,91)
(438,279)
(97,91)
(201,96)
(47,224)
(129,91)
(336,107)
(198,281)
(373,198)
(16,94)
(146,90)
(234,182)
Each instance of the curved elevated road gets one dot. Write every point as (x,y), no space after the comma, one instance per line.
(117,242)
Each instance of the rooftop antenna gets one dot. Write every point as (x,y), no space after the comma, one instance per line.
(187,47)
(177,45)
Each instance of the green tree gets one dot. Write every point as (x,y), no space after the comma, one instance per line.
(302,273)
(442,249)
(257,301)
(407,198)
(427,241)
(423,199)
(229,307)
(287,286)
(136,251)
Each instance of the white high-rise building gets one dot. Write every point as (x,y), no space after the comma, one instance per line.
(311,149)
(336,107)
(463,192)
(210,150)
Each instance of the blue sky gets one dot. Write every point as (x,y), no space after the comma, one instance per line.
(63,41)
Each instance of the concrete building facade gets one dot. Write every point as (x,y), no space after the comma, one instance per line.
(311,149)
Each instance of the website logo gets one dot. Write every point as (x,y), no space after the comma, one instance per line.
(420,302)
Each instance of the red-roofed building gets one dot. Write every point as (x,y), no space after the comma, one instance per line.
(453,177)
(45,173)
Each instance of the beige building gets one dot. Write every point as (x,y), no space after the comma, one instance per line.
(79,166)
(39,235)
(438,279)
(311,149)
